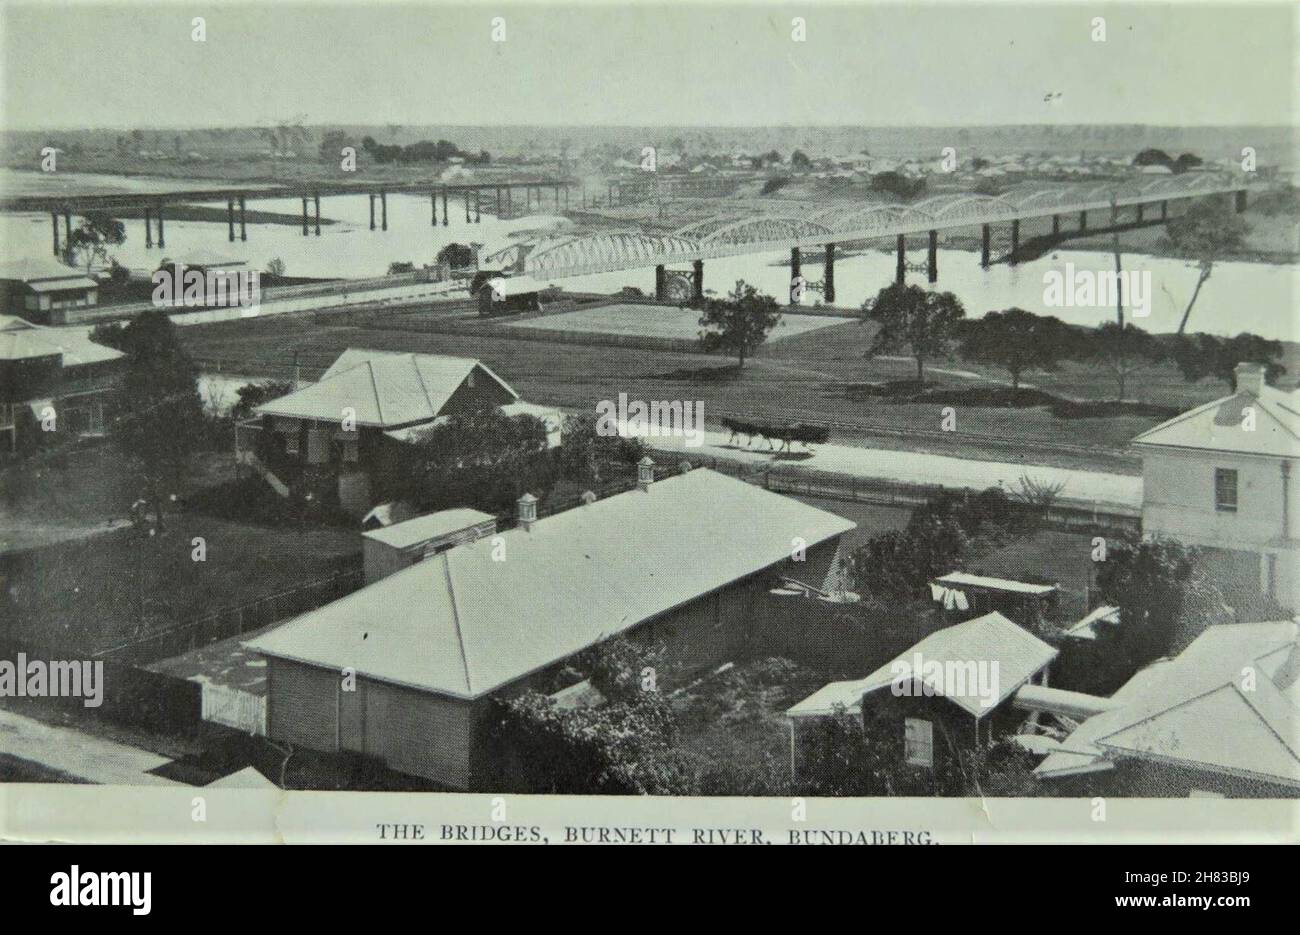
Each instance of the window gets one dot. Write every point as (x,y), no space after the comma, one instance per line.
(291,444)
(1225,490)
(918,742)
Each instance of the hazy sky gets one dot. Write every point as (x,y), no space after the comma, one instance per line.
(113,64)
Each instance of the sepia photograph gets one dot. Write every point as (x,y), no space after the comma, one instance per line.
(727,422)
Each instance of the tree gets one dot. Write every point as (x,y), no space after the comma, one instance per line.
(252,395)
(895,183)
(913,320)
(738,324)
(799,160)
(275,267)
(1153,157)
(586,455)
(624,746)
(1203,355)
(1208,231)
(332,144)
(457,256)
(479,457)
(1124,349)
(90,241)
(1015,340)
(1186,161)
(162,416)
(1165,601)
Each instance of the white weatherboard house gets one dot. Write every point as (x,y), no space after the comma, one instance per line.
(1221,476)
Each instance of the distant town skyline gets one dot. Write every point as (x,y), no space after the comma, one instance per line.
(721,65)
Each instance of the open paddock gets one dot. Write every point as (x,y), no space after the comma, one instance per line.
(657,321)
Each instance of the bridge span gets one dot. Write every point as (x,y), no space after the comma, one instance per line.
(824,225)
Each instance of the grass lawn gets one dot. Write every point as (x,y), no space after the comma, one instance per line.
(814,375)
(96,593)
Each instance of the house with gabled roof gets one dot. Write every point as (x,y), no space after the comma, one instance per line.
(1222,718)
(1220,476)
(333,431)
(431,646)
(949,691)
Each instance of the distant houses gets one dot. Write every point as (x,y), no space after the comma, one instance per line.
(54,381)
(685,561)
(1221,477)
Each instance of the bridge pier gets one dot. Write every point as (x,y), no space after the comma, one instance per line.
(304,216)
(611,196)
(372,210)
(900,268)
(383,209)
(661,282)
(510,207)
(932,258)
(1083,220)
(446,215)
(54,225)
(796,269)
(1140,212)
(1056,224)
(1164,210)
(316,198)
(433,209)
(478,207)
(828,286)
(467,206)
(162,236)
(984,245)
(697,281)
(1240,200)
(243,220)
(67,225)
(230,219)
(1015,240)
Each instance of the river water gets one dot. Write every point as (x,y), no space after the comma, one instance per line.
(1255,297)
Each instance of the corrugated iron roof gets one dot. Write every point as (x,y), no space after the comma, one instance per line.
(431,526)
(1196,710)
(484,614)
(990,638)
(961,578)
(384,389)
(21,339)
(1217,426)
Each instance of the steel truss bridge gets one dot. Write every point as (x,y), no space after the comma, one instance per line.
(825,224)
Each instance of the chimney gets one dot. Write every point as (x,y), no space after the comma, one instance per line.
(526,511)
(1250,378)
(645,473)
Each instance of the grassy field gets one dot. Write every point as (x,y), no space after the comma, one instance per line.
(821,374)
(659,322)
(99,592)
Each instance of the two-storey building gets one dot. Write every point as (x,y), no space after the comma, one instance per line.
(1222,477)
